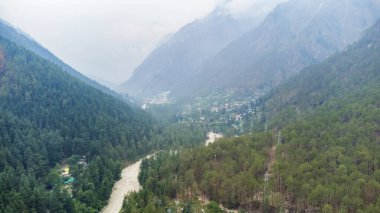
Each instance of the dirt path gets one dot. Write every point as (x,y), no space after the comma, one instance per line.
(272,158)
(204,200)
(269,165)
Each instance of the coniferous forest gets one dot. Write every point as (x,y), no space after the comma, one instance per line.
(48,117)
(305,140)
(325,143)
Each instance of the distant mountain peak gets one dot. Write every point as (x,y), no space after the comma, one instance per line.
(294,35)
(179,57)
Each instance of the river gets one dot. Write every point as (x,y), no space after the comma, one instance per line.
(130,183)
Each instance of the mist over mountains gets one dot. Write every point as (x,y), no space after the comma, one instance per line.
(268,111)
(294,35)
(316,149)
(15,35)
(174,61)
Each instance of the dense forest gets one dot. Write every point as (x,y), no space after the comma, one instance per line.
(48,118)
(324,131)
(314,146)
(331,116)
(15,35)
(324,162)
(231,172)
(347,71)
(329,160)
(219,172)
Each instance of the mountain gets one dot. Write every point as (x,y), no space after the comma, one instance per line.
(295,34)
(355,69)
(49,119)
(330,120)
(15,35)
(175,60)
(324,160)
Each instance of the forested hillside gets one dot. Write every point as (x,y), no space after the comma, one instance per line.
(343,73)
(17,36)
(50,120)
(47,116)
(325,142)
(330,159)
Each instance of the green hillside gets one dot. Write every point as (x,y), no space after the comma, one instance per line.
(321,152)
(20,38)
(47,116)
(342,74)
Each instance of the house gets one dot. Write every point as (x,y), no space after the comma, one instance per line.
(65,171)
(70,180)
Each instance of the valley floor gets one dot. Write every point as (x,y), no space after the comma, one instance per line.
(129,181)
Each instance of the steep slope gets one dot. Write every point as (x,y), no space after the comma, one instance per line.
(47,116)
(335,138)
(173,62)
(354,68)
(9,32)
(327,159)
(296,34)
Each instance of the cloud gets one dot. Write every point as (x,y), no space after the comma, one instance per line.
(103,38)
(109,38)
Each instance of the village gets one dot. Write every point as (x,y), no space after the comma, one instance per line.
(66,174)
(231,112)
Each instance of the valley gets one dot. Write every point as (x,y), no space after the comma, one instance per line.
(231,112)
(129,182)
(312,131)
(275,109)
(221,111)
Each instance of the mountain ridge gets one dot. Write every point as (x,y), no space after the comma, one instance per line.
(323,159)
(329,80)
(48,118)
(172,62)
(294,35)
(16,35)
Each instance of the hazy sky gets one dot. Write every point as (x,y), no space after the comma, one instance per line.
(107,38)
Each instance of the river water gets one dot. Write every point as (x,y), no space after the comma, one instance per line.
(129,181)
